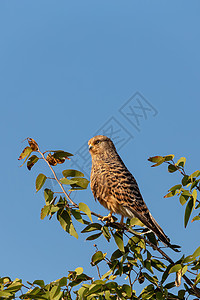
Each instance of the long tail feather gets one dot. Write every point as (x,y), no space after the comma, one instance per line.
(158,231)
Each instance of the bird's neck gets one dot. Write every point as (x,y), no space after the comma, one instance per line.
(105,157)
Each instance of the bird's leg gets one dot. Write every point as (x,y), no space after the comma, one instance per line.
(108,217)
(122,220)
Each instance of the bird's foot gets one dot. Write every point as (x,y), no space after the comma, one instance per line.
(109,218)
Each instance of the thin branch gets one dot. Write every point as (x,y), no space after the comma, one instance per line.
(62,188)
(130,283)
(98,271)
(56,178)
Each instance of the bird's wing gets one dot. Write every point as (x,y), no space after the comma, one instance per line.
(126,191)
(99,184)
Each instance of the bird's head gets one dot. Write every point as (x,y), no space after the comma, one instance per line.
(100,144)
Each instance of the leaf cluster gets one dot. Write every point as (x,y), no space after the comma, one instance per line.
(137,257)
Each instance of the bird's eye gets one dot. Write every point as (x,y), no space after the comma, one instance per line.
(97,142)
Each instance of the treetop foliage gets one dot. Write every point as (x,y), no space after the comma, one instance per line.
(138,256)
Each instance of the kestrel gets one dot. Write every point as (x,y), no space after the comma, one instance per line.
(116,188)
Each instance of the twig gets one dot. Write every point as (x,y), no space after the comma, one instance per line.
(98,271)
(62,188)
(56,178)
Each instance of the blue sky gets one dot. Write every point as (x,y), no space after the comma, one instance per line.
(67,68)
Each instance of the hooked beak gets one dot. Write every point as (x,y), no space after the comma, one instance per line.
(90,147)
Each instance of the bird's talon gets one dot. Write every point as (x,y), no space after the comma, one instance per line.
(108,219)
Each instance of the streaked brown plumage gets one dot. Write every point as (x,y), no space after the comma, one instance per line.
(116,188)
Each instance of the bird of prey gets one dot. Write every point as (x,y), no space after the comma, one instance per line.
(116,188)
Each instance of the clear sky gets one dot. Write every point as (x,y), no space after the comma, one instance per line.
(71,69)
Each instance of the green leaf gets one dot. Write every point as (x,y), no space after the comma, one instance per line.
(65,221)
(79,270)
(195,174)
(76,183)
(79,278)
(175,187)
(165,274)
(111,285)
(45,212)
(155,158)
(158,265)
(152,238)
(5,280)
(62,281)
(53,209)
(159,162)
(186,193)
(197,279)
(171,194)
(94,236)
(127,290)
(40,180)
(77,215)
(196,218)
(135,221)
(61,154)
(67,181)
(97,257)
(106,232)
(194,195)
(194,184)
(152,279)
(106,274)
(184,270)
(83,207)
(27,151)
(197,266)
(185,180)
(196,252)
(148,288)
(39,282)
(81,292)
(175,268)
(172,168)
(159,296)
(183,199)
(181,294)
(142,244)
(169,157)
(92,227)
(48,196)
(188,259)
(181,162)
(55,293)
(94,288)
(31,161)
(5,294)
(116,254)
(147,265)
(80,183)
(14,286)
(188,211)
(170,285)
(119,240)
(72,231)
(72,173)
